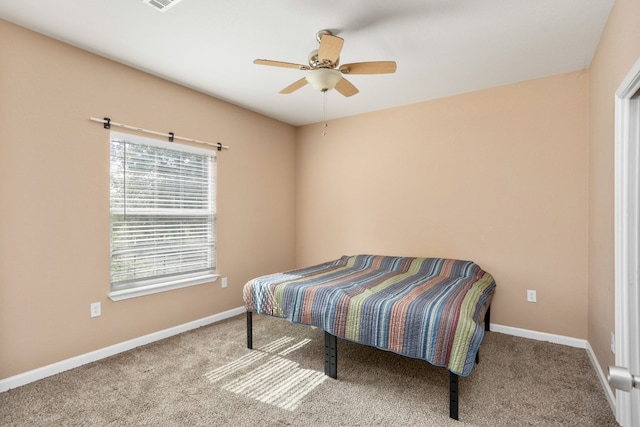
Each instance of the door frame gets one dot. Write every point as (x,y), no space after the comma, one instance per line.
(627,238)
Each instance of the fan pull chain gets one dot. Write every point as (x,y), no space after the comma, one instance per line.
(324,127)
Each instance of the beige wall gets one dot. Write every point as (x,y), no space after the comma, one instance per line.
(54,200)
(618,50)
(497,176)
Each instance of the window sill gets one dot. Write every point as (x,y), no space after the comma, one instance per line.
(161,287)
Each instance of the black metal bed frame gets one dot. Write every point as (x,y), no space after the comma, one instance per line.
(331,359)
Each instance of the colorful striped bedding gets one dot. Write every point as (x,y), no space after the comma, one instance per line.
(425,308)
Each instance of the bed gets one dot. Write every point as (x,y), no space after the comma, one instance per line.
(434,309)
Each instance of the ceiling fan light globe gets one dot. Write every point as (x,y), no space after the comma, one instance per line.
(323,79)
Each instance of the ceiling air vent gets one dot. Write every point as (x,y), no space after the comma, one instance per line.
(161,5)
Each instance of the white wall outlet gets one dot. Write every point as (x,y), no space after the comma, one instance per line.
(613,343)
(96,309)
(531,295)
(223,282)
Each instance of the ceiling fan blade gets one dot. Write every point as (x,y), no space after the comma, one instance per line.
(294,86)
(378,67)
(280,64)
(330,48)
(346,88)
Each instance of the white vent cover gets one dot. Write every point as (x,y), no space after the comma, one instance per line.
(161,5)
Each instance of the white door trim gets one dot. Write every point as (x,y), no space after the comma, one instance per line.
(627,239)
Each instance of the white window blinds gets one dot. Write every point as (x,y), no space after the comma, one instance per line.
(162,212)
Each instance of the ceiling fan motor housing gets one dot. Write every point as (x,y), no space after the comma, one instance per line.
(315,63)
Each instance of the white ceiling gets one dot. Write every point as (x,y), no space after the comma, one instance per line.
(442,47)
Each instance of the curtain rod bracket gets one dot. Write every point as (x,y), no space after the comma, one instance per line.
(219,145)
(170,136)
(107,123)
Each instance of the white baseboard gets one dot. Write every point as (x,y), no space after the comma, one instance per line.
(539,336)
(611,397)
(568,341)
(83,359)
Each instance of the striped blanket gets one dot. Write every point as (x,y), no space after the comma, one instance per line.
(425,308)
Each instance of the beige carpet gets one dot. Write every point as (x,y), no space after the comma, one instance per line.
(209,377)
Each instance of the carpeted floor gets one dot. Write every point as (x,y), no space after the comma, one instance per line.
(209,377)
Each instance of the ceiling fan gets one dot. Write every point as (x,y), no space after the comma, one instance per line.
(325,73)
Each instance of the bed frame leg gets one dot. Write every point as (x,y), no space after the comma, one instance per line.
(249,329)
(453,378)
(453,395)
(487,320)
(330,355)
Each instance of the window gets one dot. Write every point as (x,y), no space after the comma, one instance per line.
(162,216)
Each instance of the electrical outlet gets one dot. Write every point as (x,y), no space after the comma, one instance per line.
(96,309)
(531,295)
(224,282)
(613,343)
